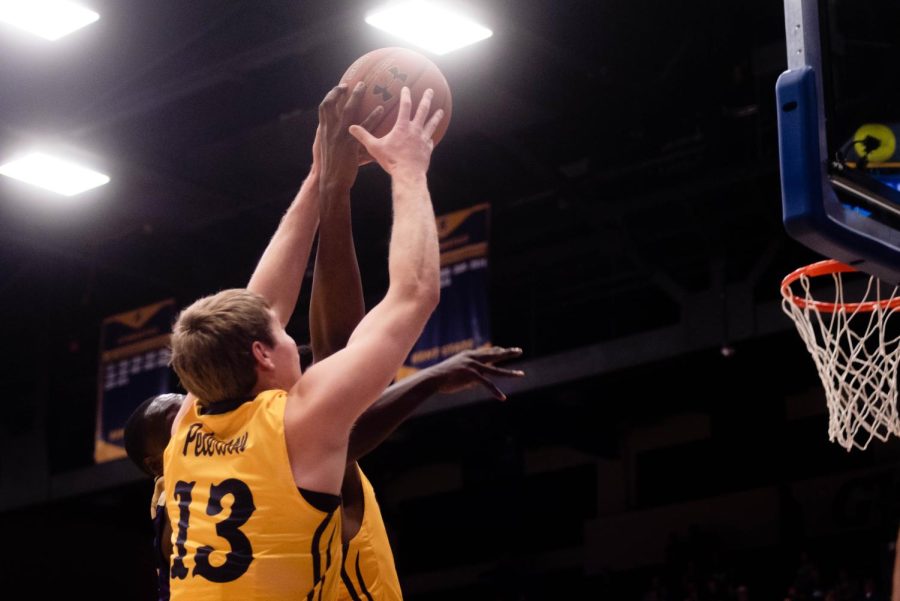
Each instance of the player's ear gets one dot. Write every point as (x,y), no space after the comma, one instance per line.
(262,355)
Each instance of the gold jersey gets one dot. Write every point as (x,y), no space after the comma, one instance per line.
(368,572)
(241,528)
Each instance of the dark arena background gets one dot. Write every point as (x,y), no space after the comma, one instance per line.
(669,440)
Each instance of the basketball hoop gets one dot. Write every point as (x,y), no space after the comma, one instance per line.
(855,346)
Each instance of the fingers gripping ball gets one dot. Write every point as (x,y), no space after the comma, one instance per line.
(385,71)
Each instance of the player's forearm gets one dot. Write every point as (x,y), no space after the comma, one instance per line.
(279,273)
(394,406)
(414,261)
(413,267)
(337,305)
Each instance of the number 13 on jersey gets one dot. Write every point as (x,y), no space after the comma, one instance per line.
(239,552)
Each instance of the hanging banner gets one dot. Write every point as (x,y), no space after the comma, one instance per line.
(134,365)
(462,319)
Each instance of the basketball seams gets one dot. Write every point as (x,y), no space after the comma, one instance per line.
(392,107)
(374,69)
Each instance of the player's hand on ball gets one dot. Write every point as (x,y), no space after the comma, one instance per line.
(407,147)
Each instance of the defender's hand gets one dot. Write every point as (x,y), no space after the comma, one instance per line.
(337,153)
(471,368)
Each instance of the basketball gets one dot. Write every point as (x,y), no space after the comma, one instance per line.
(385,71)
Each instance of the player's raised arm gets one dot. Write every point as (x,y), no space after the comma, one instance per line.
(326,401)
(336,305)
(279,273)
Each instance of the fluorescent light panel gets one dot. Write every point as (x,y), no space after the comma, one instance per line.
(428,26)
(54,174)
(50,19)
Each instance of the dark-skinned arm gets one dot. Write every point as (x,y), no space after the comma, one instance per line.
(400,400)
(336,306)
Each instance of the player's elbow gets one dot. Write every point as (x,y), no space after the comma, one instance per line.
(429,295)
(422,294)
(415,303)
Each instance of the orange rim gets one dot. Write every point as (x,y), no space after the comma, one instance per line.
(829,267)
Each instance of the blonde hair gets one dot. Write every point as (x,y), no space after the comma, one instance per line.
(212,344)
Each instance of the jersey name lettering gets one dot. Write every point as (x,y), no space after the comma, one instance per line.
(208,445)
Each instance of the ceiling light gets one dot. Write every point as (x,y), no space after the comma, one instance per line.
(428,26)
(53,174)
(50,19)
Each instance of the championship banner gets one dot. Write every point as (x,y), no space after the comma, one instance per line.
(134,365)
(462,319)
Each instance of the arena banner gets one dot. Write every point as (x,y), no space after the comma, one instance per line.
(134,365)
(462,319)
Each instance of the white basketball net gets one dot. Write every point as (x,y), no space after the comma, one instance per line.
(856,352)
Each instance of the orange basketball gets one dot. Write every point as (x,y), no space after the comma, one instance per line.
(385,71)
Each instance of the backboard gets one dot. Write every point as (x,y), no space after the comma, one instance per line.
(838,121)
